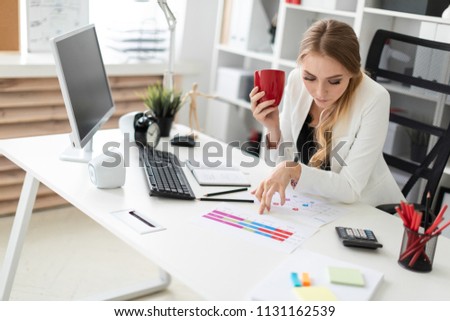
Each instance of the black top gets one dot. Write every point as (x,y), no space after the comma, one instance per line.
(305,142)
(306,145)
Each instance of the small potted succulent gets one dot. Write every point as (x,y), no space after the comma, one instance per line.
(163,104)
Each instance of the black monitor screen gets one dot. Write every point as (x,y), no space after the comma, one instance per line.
(86,83)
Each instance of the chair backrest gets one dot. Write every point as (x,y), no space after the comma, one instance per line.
(416,72)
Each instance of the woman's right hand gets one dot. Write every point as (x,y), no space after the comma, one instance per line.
(265,112)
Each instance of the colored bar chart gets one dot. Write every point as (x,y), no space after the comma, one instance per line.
(250,226)
(264,230)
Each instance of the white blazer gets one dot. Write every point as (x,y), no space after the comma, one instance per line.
(358,169)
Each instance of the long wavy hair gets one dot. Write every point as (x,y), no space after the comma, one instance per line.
(336,40)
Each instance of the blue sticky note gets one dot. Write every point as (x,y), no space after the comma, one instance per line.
(295,279)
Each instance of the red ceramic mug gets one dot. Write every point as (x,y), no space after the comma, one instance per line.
(271,81)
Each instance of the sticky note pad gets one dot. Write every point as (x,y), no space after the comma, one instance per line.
(314,293)
(347,276)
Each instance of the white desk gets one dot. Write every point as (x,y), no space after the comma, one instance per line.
(215,265)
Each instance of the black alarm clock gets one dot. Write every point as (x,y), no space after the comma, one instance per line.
(146,130)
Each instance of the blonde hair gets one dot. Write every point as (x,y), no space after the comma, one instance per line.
(336,40)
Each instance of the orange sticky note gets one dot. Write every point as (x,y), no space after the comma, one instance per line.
(306,281)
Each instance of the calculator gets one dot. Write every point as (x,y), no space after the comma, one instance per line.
(357,237)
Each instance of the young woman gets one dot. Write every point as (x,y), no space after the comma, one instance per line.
(328,137)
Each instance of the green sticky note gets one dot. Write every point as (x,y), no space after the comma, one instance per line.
(314,293)
(345,276)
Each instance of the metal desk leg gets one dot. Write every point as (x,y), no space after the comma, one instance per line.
(137,291)
(18,232)
(16,240)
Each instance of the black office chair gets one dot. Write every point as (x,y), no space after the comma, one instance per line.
(420,67)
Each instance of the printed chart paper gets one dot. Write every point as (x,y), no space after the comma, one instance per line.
(263,229)
(313,212)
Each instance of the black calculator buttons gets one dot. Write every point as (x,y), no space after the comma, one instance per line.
(355,237)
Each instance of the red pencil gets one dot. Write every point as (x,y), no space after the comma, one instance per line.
(408,218)
(415,246)
(405,214)
(427,211)
(402,215)
(412,213)
(441,229)
(438,220)
(418,220)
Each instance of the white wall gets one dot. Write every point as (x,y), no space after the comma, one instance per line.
(195,40)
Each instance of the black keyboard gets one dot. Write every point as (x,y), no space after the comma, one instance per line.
(164,174)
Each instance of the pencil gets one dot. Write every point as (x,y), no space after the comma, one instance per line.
(442,228)
(437,220)
(427,211)
(225,200)
(227,192)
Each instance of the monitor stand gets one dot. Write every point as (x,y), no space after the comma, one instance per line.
(80,155)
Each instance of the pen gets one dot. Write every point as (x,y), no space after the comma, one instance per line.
(133,213)
(227,192)
(225,200)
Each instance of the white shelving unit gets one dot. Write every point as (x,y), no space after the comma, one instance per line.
(235,119)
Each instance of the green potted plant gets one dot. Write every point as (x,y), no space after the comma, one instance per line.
(164,104)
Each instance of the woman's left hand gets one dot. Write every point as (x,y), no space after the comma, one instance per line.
(282,175)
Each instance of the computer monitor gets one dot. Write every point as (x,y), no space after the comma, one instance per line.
(84,86)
